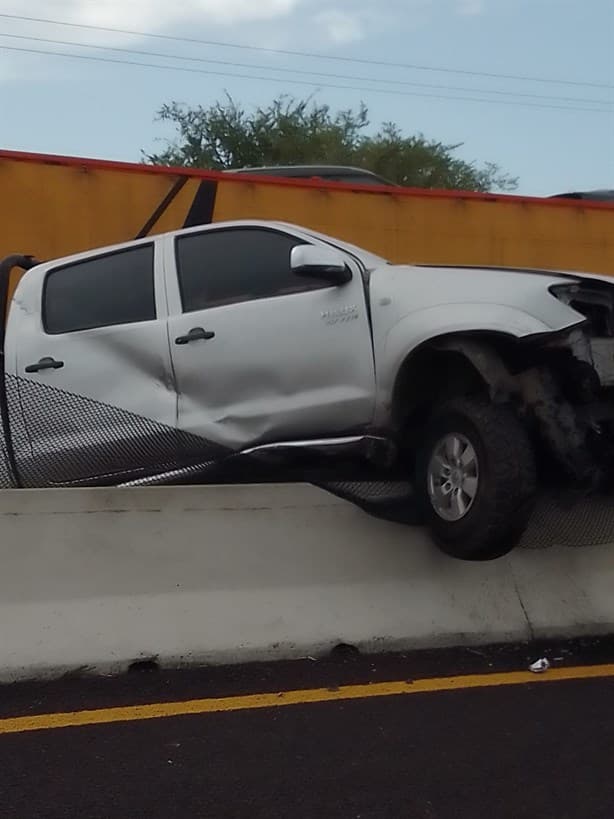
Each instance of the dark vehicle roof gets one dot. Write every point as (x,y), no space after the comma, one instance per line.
(332,173)
(596,196)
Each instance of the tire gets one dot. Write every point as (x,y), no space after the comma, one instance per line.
(502,477)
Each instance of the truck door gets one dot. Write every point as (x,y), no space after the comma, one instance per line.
(261,354)
(87,355)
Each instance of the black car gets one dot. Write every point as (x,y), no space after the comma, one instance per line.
(594,196)
(330,173)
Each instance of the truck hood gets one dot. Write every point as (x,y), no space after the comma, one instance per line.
(521,271)
(406,289)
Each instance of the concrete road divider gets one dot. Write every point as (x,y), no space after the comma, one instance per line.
(99,578)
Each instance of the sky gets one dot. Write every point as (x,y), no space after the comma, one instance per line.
(527,84)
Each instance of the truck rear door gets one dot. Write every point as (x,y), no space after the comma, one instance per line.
(87,357)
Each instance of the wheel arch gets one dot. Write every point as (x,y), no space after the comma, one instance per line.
(454,364)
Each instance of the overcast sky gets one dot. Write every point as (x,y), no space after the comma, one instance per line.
(555,136)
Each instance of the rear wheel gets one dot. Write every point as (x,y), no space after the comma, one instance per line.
(475,478)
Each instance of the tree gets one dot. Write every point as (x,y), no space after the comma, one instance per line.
(300,132)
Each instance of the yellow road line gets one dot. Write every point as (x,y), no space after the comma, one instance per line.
(213,705)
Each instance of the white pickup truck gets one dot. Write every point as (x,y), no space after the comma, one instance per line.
(151,361)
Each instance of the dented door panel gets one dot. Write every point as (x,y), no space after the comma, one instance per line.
(298,365)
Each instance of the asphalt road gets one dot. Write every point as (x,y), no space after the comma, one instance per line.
(524,750)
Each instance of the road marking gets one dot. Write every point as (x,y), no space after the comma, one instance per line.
(248,702)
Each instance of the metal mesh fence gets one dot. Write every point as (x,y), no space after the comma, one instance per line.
(76,440)
(79,441)
(562,519)
(5,472)
(565,520)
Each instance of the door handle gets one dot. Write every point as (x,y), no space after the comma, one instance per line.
(44,364)
(195,334)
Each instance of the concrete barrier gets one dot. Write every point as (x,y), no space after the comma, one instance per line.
(99,578)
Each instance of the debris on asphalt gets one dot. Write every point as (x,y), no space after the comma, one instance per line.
(539,666)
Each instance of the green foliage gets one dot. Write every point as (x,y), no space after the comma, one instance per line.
(302,132)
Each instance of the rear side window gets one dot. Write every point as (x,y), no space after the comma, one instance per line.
(117,288)
(242,264)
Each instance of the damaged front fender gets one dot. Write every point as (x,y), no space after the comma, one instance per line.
(451,321)
(541,393)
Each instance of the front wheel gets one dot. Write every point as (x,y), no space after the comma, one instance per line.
(475,478)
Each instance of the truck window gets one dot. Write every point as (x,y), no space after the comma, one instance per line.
(117,288)
(234,265)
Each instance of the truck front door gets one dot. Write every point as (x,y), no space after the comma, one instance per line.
(261,354)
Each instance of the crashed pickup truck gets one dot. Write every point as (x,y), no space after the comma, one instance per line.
(156,360)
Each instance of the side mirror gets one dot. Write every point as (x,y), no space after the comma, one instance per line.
(320,263)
